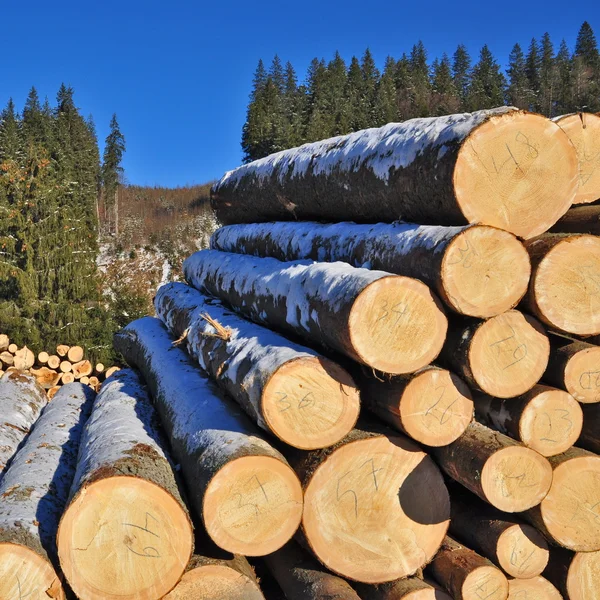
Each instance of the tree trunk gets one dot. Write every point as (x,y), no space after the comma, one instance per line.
(21,402)
(302,578)
(518,549)
(583,130)
(499,470)
(574,366)
(580,219)
(376,508)
(126,532)
(390,323)
(576,575)
(565,282)
(545,419)
(504,356)
(453,261)
(211,579)
(466,575)
(569,514)
(590,434)
(536,588)
(489,167)
(34,491)
(304,399)
(411,588)
(224,459)
(432,406)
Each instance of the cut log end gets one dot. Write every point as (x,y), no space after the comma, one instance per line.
(508,354)
(582,375)
(516,478)
(147,530)
(536,588)
(485,582)
(566,284)
(551,423)
(517,172)
(485,272)
(215,582)
(522,551)
(570,511)
(75,354)
(310,403)
(253,505)
(376,509)
(436,407)
(25,574)
(583,577)
(397,325)
(583,130)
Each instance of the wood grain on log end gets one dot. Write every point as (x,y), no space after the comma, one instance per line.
(522,551)
(518,172)
(583,577)
(411,588)
(485,272)
(535,588)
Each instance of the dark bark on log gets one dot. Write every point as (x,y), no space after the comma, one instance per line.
(590,434)
(579,219)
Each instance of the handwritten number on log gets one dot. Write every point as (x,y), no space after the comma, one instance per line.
(466,256)
(589,380)
(482,590)
(242,504)
(21,596)
(372,473)
(398,309)
(518,353)
(281,400)
(446,414)
(147,551)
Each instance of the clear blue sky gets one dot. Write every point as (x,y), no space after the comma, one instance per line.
(178,73)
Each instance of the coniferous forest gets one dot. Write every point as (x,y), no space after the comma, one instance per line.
(338,98)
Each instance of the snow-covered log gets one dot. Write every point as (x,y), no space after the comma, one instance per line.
(583,130)
(411,588)
(388,322)
(569,514)
(565,282)
(575,574)
(432,406)
(467,575)
(499,470)
(502,167)
(301,397)
(223,456)
(21,401)
(126,532)
(376,507)
(207,578)
(579,219)
(453,261)
(504,356)
(34,491)
(302,578)
(545,419)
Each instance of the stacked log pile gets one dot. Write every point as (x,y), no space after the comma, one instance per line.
(52,370)
(366,410)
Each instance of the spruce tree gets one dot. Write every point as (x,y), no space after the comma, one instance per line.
(517,93)
(318,121)
(548,77)
(461,73)
(293,101)
(358,117)
(564,81)
(112,170)
(445,98)
(368,88)
(277,75)
(337,102)
(402,81)
(420,82)
(487,83)
(385,102)
(533,64)
(586,70)
(10,134)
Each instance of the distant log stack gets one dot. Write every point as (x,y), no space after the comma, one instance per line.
(490,167)
(124,497)
(304,399)
(387,322)
(34,491)
(583,130)
(453,261)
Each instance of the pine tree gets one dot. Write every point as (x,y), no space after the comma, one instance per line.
(533,65)
(548,77)
(586,46)
(10,134)
(586,70)
(564,80)
(385,102)
(461,73)
(517,93)
(358,117)
(318,121)
(112,170)
(337,102)
(445,99)
(402,81)
(487,83)
(293,102)
(259,80)
(420,82)
(368,91)
(277,75)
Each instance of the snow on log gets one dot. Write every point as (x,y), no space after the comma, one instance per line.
(504,356)
(536,588)
(545,419)
(579,219)
(126,533)
(583,130)
(565,282)
(224,458)
(518,549)
(375,505)
(590,434)
(501,167)
(411,588)
(34,491)
(452,261)
(21,401)
(432,406)
(304,399)
(576,575)
(467,575)
(499,470)
(207,578)
(391,323)
(570,513)
(302,578)
(575,367)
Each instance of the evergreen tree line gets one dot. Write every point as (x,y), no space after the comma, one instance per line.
(337,99)
(51,180)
